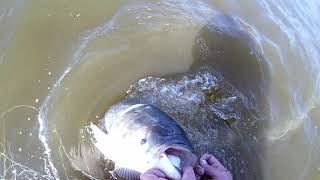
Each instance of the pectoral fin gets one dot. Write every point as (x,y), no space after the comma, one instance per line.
(126,174)
(100,140)
(87,160)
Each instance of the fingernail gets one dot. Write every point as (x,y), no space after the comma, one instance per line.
(203,162)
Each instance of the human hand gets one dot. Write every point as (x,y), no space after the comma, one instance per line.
(188,174)
(153,174)
(156,174)
(211,167)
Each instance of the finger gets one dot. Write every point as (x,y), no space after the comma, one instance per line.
(162,178)
(198,177)
(211,159)
(214,162)
(199,170)
(156,172)
(209,170)
(151,177)
(188,174)
(224,175)
(206,156)
(215,165)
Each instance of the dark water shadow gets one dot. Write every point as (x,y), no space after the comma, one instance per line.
(224,47)
(225,54)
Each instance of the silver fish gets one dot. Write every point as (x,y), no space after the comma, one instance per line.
(138,137)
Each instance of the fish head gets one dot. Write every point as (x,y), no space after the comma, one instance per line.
(141,136)
(169,158)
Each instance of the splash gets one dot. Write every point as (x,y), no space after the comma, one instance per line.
(183,12)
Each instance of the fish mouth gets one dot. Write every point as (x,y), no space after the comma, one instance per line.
(180,156)
(173,159)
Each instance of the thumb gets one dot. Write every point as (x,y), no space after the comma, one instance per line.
(188,174)
(207,168)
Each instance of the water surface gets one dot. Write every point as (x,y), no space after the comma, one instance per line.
(63,63)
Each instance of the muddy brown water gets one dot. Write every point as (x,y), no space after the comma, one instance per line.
(63,63)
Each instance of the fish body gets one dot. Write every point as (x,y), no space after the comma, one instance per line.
(138,137)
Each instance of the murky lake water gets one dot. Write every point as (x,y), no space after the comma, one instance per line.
(63,63)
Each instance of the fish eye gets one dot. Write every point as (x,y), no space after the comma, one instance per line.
(143,141)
